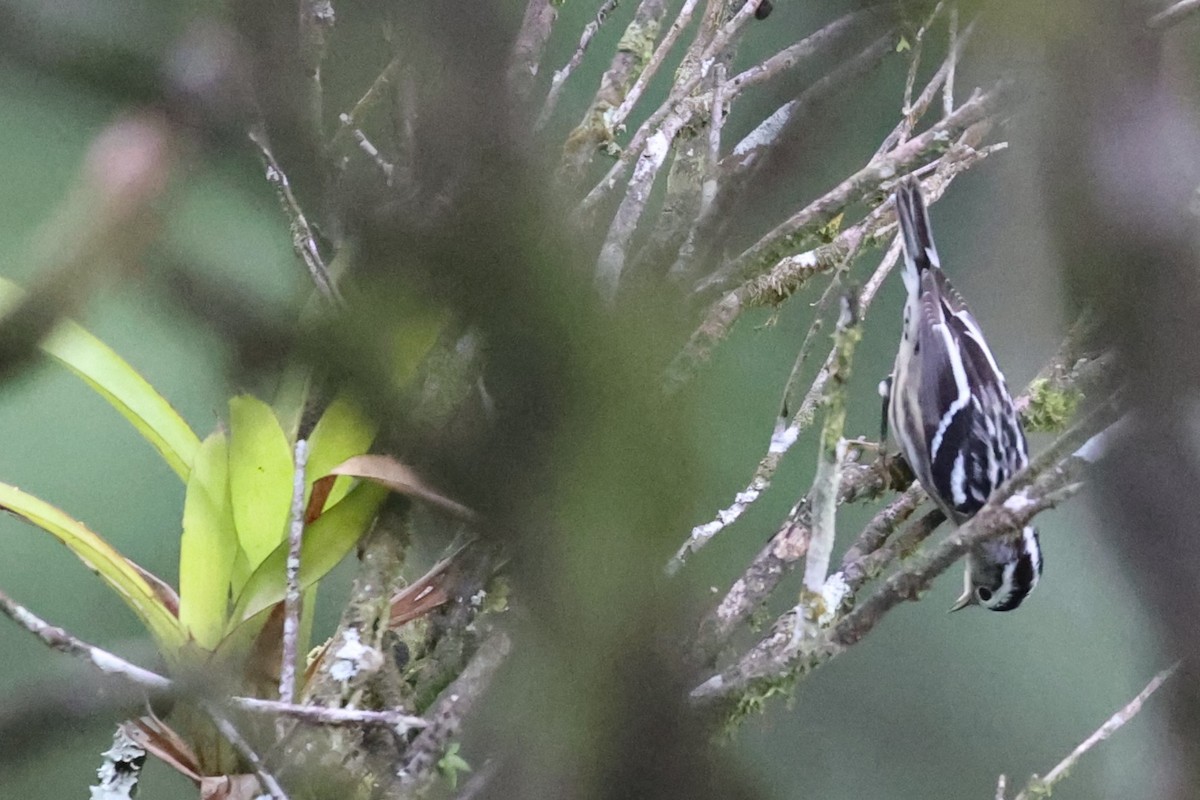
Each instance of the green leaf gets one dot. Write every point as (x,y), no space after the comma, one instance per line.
(326,542)
(451,764)
(208,546)
(260,477)
(113,568)
(117,382)
(343,431)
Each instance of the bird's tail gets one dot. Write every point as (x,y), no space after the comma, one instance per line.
(919,251)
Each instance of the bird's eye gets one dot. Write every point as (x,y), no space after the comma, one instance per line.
(984,593)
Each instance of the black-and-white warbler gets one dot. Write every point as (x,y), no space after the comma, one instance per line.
(950,410)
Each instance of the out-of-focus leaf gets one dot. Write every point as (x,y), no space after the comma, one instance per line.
(112,567)
(387,471)
(342,432)
(118,383)
(260,477)
(208,546)
(326,542)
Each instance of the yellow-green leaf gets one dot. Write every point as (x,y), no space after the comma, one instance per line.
(260,477)
(208,546)
(120,384)
(113,568)
(343,431)
(326,542)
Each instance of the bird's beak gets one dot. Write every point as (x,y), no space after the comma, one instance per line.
(968,596)
(967,599)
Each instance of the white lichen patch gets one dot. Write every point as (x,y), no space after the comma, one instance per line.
(354,658)
(833,594)
(783,438)
(1018,502)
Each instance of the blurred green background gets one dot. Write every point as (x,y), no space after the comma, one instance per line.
(929,706)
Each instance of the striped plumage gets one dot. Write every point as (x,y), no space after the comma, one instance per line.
(950,410)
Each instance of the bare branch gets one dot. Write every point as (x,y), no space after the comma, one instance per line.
(785,236)
(1042,787)
(354,119)
(531,42)
(1173,14)
(660,54)
(316,19)
(676,111)
(613,253)
(111,664)
(1050,479)
(291,601)
(768,134)
(827,483)
(951,65)
(792,272)
(231,734)
(304,240)
(453,705)
(560,76)
(914,111)
(818,43)
(784,436)
(633,51)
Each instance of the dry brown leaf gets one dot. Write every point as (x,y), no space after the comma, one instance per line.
(316,500)
(390,473)
(161,741)
(229,787)
(166,593)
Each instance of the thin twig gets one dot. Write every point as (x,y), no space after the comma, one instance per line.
(914,112)
(1173,14)
(872,563)
(716,125)
(291,600)
(791,273)
(373,153)
(595,131)
(231,734)
(918,48)
(304,240)
(661,52)
(785,236)
(1043,786)
(614,252)
(749,157)
(796,54)
(1051,478)
(877,531)
(952,61)
(354,119)
(827,482)
(531,41)
(782,438)
(316,18)
(747,154)
(676,110)
(560,76)
(111,664)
